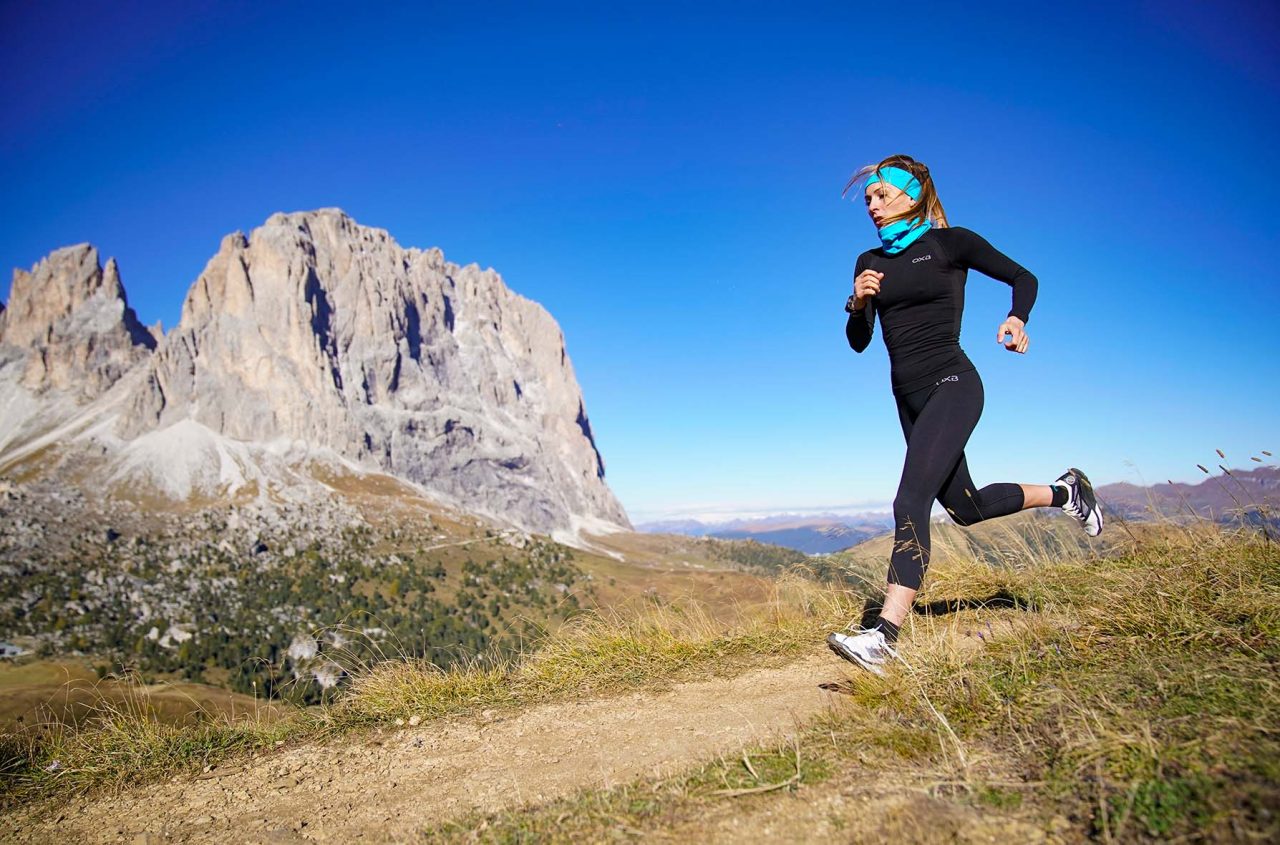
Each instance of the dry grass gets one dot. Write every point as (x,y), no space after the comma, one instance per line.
(1124,698)
(121,739)
(643,646)
(601,653)
(1132,694)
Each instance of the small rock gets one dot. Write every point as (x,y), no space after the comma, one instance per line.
(414,721)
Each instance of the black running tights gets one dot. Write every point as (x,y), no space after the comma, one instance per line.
(937,421)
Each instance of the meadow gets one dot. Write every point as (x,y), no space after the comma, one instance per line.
(1125,692)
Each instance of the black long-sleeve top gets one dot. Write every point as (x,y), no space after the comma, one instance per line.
(921,301)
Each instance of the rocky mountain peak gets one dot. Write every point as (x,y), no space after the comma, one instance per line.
(317,329)
(312,338)
(69,318)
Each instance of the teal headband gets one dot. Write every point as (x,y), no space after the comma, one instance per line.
(898,178)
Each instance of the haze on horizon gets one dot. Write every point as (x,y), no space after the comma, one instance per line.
(665,180)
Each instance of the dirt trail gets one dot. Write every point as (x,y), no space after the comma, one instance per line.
(385,787)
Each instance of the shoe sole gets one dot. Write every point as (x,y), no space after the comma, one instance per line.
(1090,499)
(852,657)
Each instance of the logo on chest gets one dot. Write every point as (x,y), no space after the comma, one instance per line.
(922,258)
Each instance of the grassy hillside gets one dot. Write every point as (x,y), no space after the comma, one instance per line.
(71,692)
(1131,697)
(284,602)
(1125,693)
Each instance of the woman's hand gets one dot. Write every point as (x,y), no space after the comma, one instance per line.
(1018,340)
(866,284)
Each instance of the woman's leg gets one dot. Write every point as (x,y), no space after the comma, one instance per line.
(1036,496)
(937,423)
(966,504)
(897,603)
(944,417)
(897,598)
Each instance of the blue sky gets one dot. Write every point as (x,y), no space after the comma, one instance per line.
(665,179)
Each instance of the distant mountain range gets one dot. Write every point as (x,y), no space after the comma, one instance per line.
(1222,496)
(1253,494)
(817,534)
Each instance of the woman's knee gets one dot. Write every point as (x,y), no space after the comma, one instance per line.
(963,509)
(909,504)
(994,500)
(964,515)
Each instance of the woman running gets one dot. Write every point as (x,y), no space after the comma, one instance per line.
(915,282)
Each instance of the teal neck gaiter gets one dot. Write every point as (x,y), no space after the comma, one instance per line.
(900,234)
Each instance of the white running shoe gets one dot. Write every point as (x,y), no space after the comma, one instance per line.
(867,649)
(1081,504)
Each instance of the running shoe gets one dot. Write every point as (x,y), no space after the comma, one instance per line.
(1081,504)
(867,649)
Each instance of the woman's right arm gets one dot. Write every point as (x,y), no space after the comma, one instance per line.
(861,323)
(859,329)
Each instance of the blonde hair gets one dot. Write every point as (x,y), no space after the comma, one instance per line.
(926,206)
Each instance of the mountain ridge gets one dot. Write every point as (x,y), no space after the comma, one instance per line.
(1222,498)
(311,337)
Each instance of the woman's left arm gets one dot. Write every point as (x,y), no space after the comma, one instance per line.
(973,251)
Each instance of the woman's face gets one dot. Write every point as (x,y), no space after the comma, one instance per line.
(884,201)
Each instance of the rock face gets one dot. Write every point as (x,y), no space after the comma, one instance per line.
(316,329)
(71,319)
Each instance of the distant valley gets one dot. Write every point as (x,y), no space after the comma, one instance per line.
(1250,495)
(820,534)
